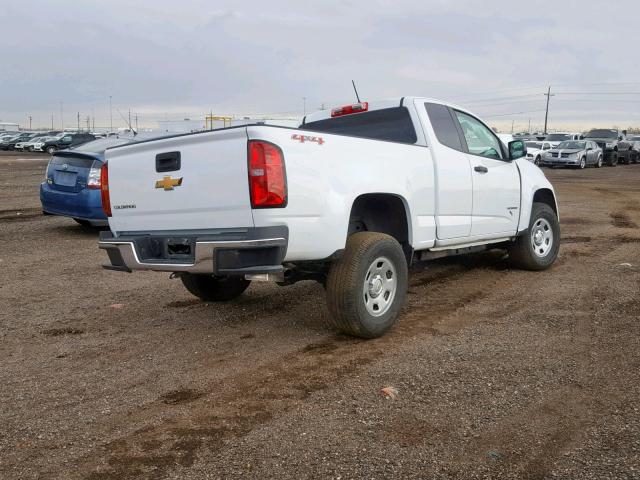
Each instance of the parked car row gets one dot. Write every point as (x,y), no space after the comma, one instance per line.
(596,147)
(49,142)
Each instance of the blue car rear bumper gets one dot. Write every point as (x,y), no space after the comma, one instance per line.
(83,205)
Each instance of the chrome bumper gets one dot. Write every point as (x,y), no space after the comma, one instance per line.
(239,255)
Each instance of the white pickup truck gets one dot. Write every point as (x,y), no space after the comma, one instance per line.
(350,198)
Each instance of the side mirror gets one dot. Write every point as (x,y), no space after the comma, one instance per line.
(517,149)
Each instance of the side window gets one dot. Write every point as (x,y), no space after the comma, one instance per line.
(444,126)
(480,140)
(546,146)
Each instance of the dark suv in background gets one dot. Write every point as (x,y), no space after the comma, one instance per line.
(608,140)
(67,141)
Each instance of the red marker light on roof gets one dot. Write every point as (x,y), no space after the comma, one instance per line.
(349,109)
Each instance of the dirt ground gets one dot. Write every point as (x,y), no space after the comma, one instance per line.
(500,373)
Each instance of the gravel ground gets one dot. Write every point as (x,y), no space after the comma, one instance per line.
(500,373)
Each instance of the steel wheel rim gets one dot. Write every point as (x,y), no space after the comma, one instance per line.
(379,286)
(541,237)
(583,163)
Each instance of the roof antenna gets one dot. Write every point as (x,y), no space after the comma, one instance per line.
(128,122)
(355,90)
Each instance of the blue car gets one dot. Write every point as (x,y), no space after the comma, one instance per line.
(72,183)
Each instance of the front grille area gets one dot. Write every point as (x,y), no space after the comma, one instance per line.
(564,155)
(554,154)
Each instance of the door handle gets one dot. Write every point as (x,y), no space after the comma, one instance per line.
(481,169)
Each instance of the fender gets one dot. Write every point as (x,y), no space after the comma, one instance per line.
(532,179)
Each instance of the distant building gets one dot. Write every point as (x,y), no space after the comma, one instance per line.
(9,127)
(181,126)
(187,125)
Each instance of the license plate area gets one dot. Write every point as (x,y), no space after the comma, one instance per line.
(65,179)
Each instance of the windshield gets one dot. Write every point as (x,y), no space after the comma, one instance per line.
(635,139)
(572,145)
(535,145)
(554,137)
(602,134)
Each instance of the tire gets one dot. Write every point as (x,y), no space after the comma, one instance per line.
(538,248)
(599,162)
(536,161)
(583,163)
(51,150)
(367,286)
(614,159)
(210,288)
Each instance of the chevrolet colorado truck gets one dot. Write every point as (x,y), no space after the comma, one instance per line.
(350,199)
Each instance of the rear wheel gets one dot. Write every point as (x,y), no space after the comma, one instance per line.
(613,161)
(84,223)
(538,248)
(537,161)
(599,162)
(367,286)
(211,288)
(51,150)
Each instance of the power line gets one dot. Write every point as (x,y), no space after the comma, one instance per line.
(512,113)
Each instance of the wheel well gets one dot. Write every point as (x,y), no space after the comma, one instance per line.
(381,212)
(544,195)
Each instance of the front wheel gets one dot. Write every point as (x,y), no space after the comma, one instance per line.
(367,286)
(538,248)
(51,150)
(599,162)
(537,161)
(583,163)
(211,288)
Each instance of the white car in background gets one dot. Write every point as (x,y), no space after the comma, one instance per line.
(535,150)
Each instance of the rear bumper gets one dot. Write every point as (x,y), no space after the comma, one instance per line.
(83,205)
(220,252)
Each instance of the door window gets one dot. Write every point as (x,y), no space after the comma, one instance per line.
(480,140)
(444,126)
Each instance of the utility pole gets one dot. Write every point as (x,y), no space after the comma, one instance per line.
(52,122)
(129,118)
(30,118)
(61,117)
(304,105)
(529,131)
(136,122)
(78,121)
(110,115)
(88,123)
(546,115)
(512,122)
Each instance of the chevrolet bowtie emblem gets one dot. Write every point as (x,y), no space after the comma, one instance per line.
(168,183)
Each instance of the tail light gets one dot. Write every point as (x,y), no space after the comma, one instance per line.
(93,180)
(349,109)
(267,177)
(104,189)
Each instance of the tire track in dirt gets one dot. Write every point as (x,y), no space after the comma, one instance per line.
(277,387)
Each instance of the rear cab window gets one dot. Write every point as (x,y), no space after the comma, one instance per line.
(388,124)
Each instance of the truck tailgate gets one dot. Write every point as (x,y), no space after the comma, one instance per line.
(187,182)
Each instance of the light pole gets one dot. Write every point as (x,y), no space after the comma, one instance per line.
(546,114)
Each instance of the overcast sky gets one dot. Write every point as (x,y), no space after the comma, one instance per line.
(175,59)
